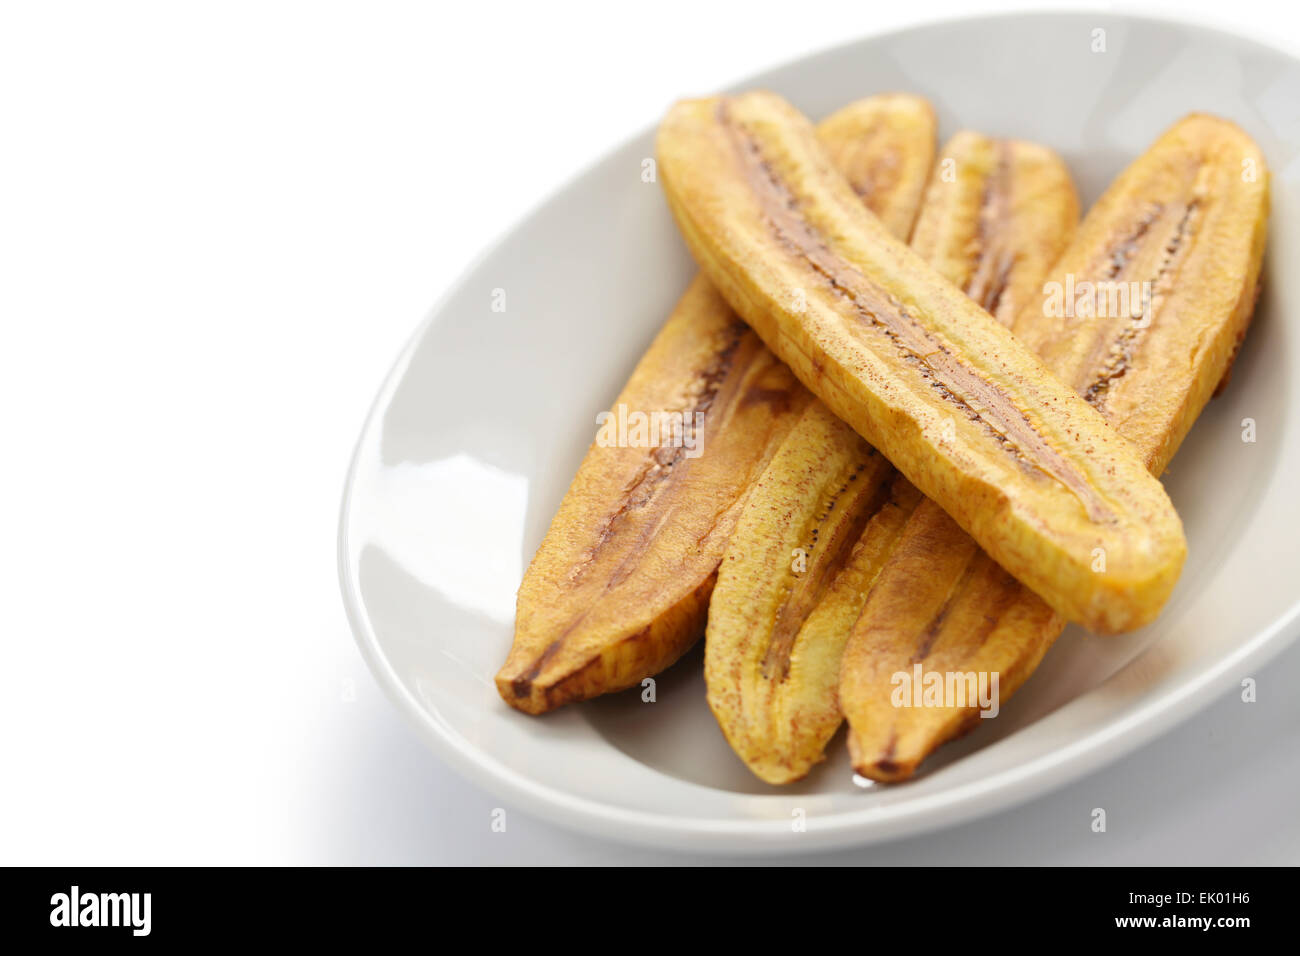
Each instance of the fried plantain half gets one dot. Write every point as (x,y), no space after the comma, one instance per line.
(933,382)
(828,512)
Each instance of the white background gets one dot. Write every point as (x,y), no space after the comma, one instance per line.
(219,222)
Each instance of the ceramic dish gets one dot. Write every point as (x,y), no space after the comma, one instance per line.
(479,428)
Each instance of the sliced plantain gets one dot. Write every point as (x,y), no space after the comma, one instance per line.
(926,376)
(1184,220)
(1182,230)
(794,538)
(620,586)
(828,511)
(941,605)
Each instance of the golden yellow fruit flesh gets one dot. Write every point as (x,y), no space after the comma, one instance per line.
(884,146)
(828,512)
(1180,235)
(620,586)
(1187,223)
(965,411)
(996,215)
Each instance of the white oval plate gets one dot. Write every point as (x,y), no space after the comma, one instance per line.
(481,424)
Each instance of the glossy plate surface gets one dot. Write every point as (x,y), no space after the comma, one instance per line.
(449,496)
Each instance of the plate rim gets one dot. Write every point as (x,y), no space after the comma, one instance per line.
(1003,790)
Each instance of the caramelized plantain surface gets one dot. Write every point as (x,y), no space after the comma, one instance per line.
(828,512)
(1183,229)
(1188,222)
(620,586)
(997,213)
